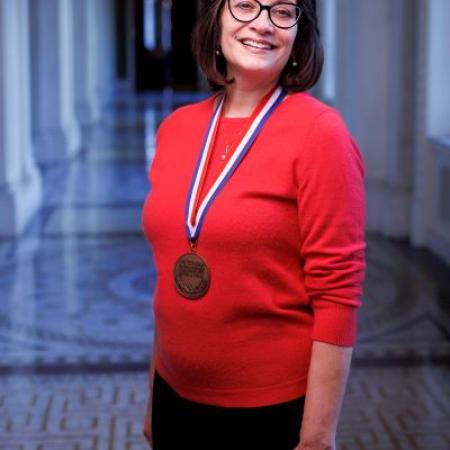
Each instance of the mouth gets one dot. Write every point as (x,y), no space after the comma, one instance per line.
(257,44)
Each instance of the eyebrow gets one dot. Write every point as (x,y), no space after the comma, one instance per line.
(282,2)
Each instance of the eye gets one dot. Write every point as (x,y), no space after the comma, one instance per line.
(284,12)
(245,6)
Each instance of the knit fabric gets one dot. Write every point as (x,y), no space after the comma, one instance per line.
(284,241)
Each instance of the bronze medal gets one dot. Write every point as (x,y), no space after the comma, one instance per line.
(191,275)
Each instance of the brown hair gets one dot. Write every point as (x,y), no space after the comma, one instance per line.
(307,49)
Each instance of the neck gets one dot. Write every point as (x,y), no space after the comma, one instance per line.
(242,98)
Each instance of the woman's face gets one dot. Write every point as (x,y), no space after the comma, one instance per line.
(255,49)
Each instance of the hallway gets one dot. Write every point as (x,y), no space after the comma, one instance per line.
(76,322)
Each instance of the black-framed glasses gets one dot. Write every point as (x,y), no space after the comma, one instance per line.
(282,14)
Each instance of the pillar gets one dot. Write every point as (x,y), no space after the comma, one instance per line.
(87,108)
(106,83)
(376,93)
(55,129)
(20,181)
(431,199)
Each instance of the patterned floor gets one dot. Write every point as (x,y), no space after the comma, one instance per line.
(384,408)
(76,322)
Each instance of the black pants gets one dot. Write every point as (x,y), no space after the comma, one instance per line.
(180,424)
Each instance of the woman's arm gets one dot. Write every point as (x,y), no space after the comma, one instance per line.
(327,379)
(331,215)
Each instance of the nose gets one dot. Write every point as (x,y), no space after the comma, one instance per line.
(262,23)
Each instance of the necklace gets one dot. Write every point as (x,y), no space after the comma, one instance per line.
(224,155)
(233,143)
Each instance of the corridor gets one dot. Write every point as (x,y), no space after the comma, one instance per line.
(84,85)
(76,320)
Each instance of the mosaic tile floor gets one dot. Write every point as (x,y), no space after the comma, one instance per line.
(384,408)
(76,321)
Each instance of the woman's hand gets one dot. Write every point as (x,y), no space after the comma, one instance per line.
(147,429)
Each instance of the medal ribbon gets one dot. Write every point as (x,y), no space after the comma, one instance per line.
(255,125)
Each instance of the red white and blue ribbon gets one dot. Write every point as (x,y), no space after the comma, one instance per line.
(193,228)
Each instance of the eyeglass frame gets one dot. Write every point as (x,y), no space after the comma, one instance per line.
(268,8)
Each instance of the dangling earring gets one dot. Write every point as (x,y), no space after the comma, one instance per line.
(294,62)
(218,52)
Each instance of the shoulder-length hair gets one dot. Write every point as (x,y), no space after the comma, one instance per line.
(307,50)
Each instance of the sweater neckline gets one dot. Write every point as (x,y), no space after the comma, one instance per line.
(232,120)
(236,120)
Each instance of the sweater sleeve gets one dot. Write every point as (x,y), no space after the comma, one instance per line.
(331,215)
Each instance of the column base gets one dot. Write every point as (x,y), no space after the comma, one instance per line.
(19,202)
(57,145)
(87,113)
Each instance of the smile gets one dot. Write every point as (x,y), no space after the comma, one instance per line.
(257,44)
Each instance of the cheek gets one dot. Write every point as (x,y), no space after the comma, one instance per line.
(225,47)
(228,42)
(228,29)
(287,49)
(287,38)
(291,40)
(291,36)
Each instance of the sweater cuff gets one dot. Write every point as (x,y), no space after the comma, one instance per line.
(334,323)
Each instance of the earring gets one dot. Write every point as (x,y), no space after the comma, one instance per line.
(294,62)
(218,52)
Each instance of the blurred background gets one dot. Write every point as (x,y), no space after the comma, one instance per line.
(83,87)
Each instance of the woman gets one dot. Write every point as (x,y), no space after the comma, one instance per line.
(256,217)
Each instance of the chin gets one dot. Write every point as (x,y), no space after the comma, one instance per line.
(257,66)
(259,70)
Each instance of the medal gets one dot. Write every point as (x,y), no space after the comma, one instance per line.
(191,273)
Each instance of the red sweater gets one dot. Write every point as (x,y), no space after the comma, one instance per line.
(284,241)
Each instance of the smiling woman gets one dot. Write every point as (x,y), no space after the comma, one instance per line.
(253,45)
(259,244)
(307,50)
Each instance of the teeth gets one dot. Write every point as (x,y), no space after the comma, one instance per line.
(256,44)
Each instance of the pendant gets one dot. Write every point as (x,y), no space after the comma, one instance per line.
(191,275)
(224,155)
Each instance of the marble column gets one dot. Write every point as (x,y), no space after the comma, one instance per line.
(55,129)
(325,89)
(431,205)
(87,108)
(130,44)
(124,46)
(20,181)
(103,11)
(438,75)
(376,93)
